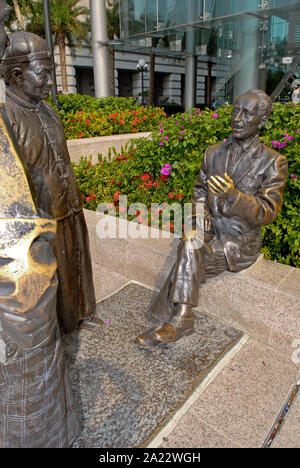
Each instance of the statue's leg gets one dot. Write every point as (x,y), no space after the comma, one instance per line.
(193,267)
(181,287)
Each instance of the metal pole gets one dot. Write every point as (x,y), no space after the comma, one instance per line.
(143,87)
(48,35)
(100,53)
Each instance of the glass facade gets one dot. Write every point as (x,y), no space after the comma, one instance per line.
(250,43)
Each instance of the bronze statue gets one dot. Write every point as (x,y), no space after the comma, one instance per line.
(40,134)
(241,184)
(36,406)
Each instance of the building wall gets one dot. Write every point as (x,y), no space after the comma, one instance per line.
(170,70)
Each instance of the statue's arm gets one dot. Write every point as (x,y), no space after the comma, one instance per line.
(28,281)
(263,208)
(200,207)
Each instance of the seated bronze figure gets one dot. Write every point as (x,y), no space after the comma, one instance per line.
(240,186)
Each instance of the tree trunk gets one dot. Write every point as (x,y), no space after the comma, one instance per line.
(18,15)
(63,62)
(152,80)
(111,53)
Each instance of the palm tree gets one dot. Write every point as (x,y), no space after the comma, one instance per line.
(113,30)
(18,14)
(70,25)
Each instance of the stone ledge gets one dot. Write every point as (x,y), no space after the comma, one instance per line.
(93,146)
(263,301)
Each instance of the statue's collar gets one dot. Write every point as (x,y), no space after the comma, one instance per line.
(254,148)
(22,102)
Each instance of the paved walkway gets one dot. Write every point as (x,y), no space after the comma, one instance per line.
(238,402)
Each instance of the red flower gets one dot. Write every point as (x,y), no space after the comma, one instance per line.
(146,176)
(88,199)
(164,178)
(135,130)
(113,181)
(87,121)
(91,192)
(155,184)
(179,196)
(121,158)
(147,184)
(171,195)
(117,196)
(80,135)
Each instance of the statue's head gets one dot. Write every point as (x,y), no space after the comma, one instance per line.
(251,112)
(4,14)
(27,66)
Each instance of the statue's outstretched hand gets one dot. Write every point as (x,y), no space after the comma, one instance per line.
(223,187)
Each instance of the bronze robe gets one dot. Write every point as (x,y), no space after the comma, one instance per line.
(41,136)
(36,405)
(259,176)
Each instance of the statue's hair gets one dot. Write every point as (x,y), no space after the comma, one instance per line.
(265,103)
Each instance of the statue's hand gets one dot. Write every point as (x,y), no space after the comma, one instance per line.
(196,226)
(222,187)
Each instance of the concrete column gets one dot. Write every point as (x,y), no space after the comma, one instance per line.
(100,52)
(190,58)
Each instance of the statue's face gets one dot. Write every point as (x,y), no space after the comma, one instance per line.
(245,118)
(4,14)
(36,80)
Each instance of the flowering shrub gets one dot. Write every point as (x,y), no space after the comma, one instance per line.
(163,169)
(84,116)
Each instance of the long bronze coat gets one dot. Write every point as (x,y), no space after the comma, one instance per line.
(36,405)
(259,175)
(40,134)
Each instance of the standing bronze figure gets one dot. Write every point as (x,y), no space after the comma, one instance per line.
(40,134)
(36,405)
(240,186)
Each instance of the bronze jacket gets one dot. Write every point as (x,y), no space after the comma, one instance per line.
(259,179)
(41,136)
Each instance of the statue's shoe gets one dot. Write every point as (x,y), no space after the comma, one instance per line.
(147,339)
(175,329)
(91,323)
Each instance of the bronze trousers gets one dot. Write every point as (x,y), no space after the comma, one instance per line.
(192,268)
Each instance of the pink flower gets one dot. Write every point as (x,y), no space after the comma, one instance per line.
(215,116)
(165,171)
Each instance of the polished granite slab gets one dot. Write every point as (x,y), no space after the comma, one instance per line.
(125,394)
